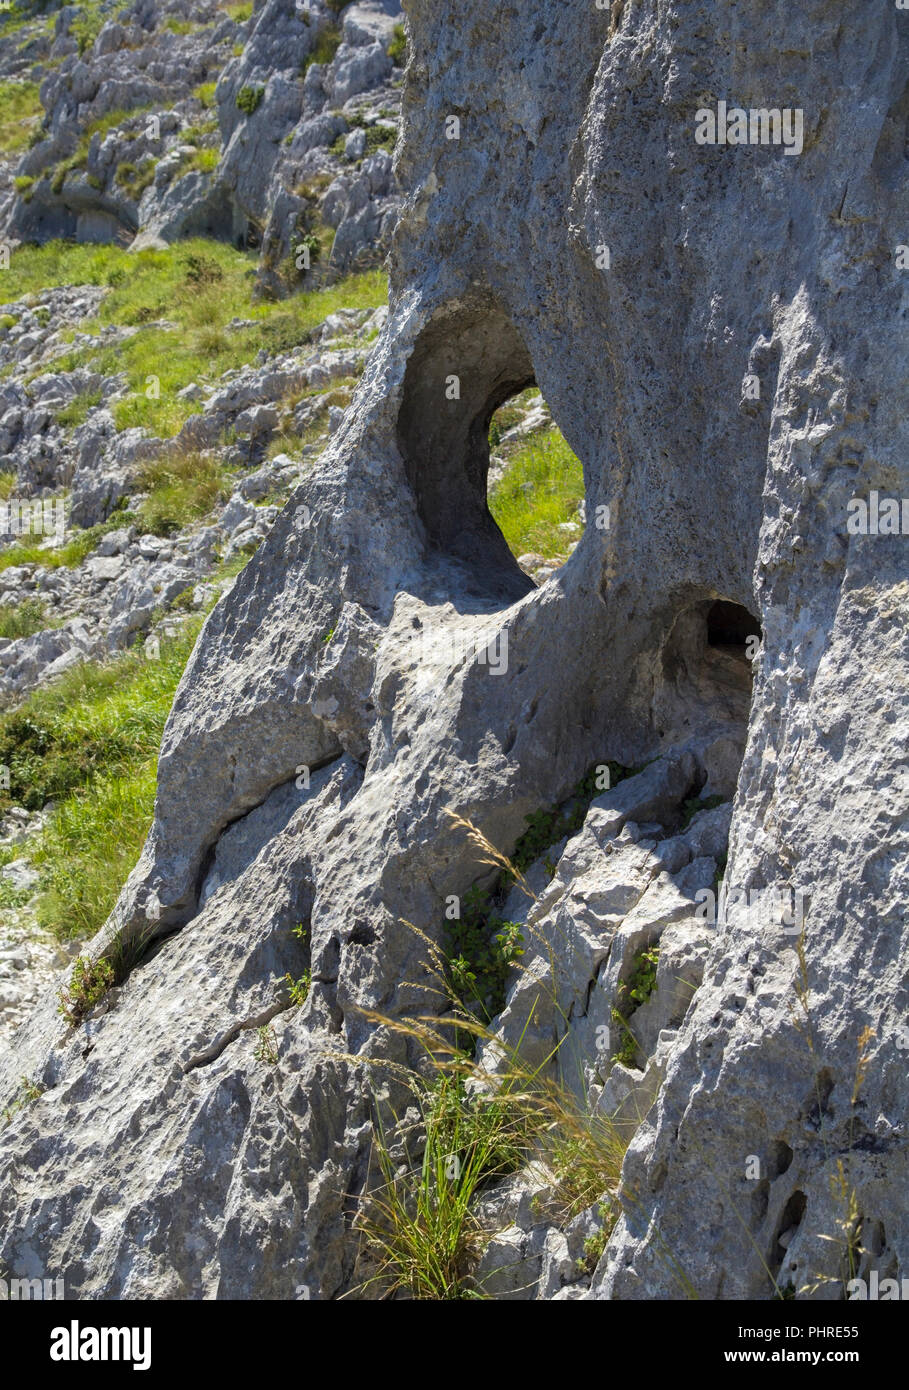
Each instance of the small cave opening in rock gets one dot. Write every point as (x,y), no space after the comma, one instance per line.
(703,684)
(469,392)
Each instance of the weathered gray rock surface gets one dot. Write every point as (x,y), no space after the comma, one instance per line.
(163,1158)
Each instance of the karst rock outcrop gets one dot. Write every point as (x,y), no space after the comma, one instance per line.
(566,228)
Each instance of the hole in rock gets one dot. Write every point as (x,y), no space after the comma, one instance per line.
(706,666)
(703,684)
(467,363)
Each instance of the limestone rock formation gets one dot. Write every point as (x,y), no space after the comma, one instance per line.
(177,120)
(568,229)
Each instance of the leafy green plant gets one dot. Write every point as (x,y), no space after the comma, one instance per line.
(546,827)
(249,99)
(481,949)
(298,989)
(596,1243)
(28,1091)
(88,984)
(397,49)
(636,990)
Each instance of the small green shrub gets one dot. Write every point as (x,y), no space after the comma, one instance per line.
(397,49)
(205,93)
(249,99)
(88,984)
(546,827)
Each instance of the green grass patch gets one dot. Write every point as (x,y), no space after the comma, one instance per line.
(66,556)
(181,490)
(20,114)
(76,412)
(542,488)
(240,12)
(90,742)
(198,284)
(134,179)
(23,619)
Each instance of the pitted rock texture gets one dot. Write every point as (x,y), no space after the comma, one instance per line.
(346,647)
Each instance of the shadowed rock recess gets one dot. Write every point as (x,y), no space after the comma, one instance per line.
(162,1160)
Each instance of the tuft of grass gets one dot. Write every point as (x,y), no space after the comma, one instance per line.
(419,1226)
(20,115)
(134,179)
(327,43)
(239,12)
(542,488)
(205,93)
(418,1217)
(23,619)
(180,490)
(66,556)
(76,412)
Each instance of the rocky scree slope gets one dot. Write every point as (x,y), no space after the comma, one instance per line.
(164,1157)
(272,127)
